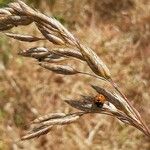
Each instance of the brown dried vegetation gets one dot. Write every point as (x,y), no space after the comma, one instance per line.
(69,57)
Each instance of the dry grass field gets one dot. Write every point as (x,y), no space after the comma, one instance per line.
(119,32)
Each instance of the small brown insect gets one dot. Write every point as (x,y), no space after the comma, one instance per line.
(99,100)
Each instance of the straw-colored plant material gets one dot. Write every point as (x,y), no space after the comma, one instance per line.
(115,104)
(36,133)
(48,116)
(94,62)
(25,38)
(52,38)
(35,51)
(60,69)
(44,124)
(68,52)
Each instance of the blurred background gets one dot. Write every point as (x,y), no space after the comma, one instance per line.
(119,32)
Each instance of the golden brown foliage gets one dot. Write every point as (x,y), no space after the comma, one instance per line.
(24,88)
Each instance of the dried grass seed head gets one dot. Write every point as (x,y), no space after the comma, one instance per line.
(60,69)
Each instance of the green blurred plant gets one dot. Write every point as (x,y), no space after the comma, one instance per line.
(6,53)
(4,2)
(18,120)
(37,3)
